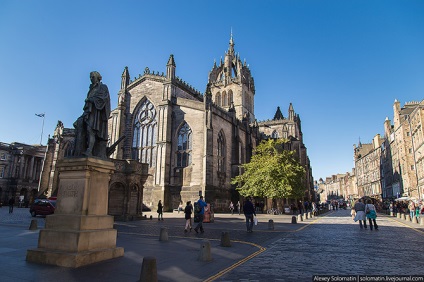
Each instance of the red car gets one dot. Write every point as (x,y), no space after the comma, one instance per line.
(42,207)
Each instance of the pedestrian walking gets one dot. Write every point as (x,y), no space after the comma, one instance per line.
(249,211)
(188,210)
(299,206)
(160,210)
(199,211)
(371,214)
(11,203)
(231,208)
(314,209)
(411,208)
(360,213)
(238,207)
(353,213)
(306,206)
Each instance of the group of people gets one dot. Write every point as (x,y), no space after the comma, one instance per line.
(361,212)
(231,207)
(199,209)
(415,209)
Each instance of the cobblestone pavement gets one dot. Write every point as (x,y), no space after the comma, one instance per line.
(331,244)
(20,216)
(335,245)
(233,224)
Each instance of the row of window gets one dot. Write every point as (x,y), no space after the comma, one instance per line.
(224,100)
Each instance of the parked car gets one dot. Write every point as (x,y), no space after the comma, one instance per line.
(42,207)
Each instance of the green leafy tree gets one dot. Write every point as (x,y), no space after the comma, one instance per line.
(272,173)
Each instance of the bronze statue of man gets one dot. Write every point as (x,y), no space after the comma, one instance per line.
(92,126)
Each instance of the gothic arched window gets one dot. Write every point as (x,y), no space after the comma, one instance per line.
(224,99)
(221,152)
(144,138)
(274,134)
(218,99)
(285,132)
(68,148)
(184,146)
(230,97)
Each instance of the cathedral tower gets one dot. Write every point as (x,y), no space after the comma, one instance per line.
(232,85)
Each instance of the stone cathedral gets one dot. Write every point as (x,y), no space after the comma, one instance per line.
(189,143)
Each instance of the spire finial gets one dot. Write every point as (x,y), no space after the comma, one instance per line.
(231,37)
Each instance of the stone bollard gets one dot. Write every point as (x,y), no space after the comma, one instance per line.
(148,270)
(163,234)
(398,215)
(306,215)
(312,215)
(421,220)
(33,225)
(271,224)
(225,239)
(299,217)
(309,215)
(151,217)
(205,251)
(391,213)
(294,221)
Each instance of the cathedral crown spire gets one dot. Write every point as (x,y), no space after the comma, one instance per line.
(231,47)
(232,83)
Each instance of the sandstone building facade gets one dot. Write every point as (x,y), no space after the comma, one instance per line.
(177,143)
(391,166)
(194,143)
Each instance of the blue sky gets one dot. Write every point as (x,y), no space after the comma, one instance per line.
(341,63)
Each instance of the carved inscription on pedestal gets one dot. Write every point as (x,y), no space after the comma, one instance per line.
(70,197)
(69,190)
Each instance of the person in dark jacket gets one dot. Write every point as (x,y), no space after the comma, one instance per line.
(249,211)
(160,210)
(11,203)
(188,211)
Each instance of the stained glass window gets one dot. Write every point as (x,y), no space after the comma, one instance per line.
(144,138)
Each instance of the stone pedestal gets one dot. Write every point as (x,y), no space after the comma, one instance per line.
(79,232)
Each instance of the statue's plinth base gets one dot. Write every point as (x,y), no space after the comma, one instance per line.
(80,232)
(73,260)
